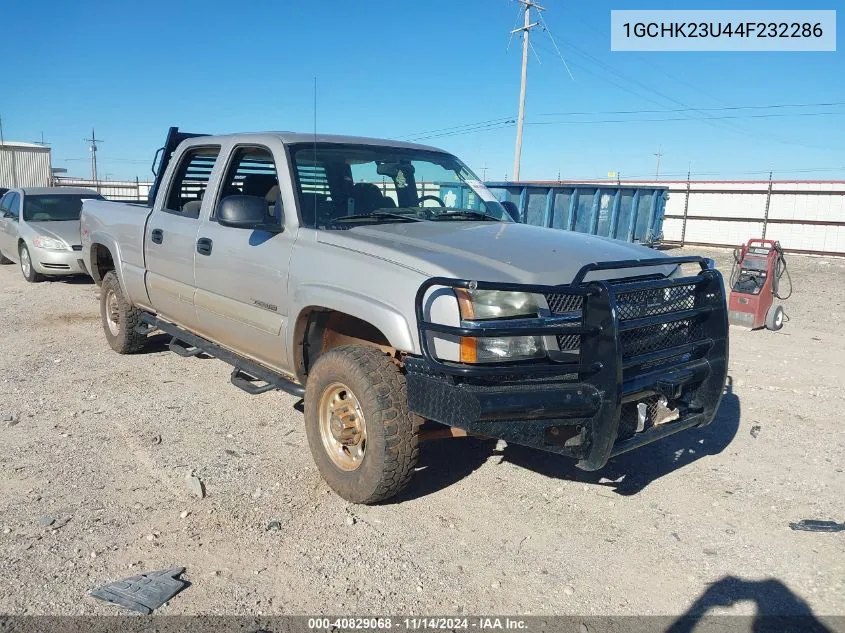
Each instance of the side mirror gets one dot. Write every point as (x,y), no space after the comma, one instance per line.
(247,212)
(512,210)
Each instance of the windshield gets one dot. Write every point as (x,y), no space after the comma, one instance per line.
(54,208)
(342,185)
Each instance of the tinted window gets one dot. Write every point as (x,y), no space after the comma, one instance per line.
(54,208)
(190,181)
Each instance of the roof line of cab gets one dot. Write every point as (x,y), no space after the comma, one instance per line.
(305,137)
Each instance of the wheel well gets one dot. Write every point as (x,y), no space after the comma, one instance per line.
(101,261)
(320,329)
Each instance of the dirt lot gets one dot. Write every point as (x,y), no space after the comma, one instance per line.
(100,444)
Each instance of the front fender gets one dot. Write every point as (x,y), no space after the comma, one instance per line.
(387,318)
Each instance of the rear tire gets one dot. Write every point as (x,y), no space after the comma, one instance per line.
(119,317)
(774,318)
(27,268)
(361,433)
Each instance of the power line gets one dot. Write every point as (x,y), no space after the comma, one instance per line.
(499,124)
(720,109)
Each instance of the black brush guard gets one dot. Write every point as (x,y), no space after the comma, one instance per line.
(624,341)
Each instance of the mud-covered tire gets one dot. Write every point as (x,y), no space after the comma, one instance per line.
(119,317)
(27,267)
(390,429)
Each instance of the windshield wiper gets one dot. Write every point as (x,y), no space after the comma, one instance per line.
(378,215)
(470,215)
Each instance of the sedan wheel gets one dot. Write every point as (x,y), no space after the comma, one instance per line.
(27,268)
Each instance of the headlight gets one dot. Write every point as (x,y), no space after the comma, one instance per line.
(49,243)
(487,305)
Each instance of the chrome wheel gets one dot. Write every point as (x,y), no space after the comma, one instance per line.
(26,263)
(112,313)
(343,429)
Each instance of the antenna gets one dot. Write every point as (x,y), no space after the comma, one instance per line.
(315,146)
(42,142)
(659,155)
(93,140)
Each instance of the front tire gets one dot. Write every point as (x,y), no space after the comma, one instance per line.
(27,269)
(119,317)
(361,433)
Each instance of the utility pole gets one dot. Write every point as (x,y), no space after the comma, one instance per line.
(484,173)
(659,155)
(93,140)
(525,29)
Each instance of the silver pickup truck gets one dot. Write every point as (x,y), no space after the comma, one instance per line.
(385,285)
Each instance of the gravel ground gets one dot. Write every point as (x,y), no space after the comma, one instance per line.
(100,445)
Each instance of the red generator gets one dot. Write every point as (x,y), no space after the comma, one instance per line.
(755,284)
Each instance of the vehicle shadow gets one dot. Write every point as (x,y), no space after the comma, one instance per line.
(73,280)
(160,342)
(443,463)
(777,608)
(629,473)
(156,343)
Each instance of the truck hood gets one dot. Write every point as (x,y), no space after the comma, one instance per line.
(67,231)
(491,251)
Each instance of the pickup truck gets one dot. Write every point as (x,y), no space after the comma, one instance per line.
(335,269)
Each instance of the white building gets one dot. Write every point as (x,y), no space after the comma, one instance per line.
(25,165)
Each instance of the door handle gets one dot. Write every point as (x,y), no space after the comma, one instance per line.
(204,246)
(157,236)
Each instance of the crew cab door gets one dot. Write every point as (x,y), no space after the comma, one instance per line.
(171,235)
(241,274)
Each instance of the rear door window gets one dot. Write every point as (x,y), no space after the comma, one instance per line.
(191,180)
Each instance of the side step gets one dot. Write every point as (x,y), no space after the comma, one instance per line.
(246,373)
(185,351)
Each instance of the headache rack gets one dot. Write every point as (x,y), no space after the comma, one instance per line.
(622,342)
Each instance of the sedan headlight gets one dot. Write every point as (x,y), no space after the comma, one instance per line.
(49,243)
(490,305)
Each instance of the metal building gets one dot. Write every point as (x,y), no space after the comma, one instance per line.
(25,165)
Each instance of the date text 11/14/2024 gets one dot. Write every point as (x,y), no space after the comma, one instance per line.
(416,624)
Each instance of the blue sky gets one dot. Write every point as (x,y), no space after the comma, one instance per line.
(399,69)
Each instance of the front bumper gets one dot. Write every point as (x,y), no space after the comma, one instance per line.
(51,262)
(628,350)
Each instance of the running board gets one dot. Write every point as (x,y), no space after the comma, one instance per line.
(185,351)
(246,372)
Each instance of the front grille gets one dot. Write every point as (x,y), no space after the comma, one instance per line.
(637,304)
(653,338)
(560,304)
(642,303)
(564,303)
(77,247)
